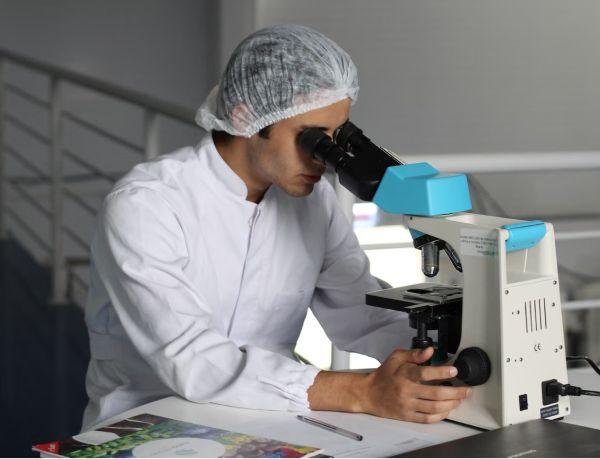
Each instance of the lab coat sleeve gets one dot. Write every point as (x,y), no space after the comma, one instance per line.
(140,253)
(339,298)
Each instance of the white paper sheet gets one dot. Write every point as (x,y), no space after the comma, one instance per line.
(381,438)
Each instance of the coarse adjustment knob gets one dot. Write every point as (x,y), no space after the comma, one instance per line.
(473,366)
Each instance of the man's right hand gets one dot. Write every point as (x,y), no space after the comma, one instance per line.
(395,390)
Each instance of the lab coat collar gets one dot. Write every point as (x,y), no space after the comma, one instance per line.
(225,175)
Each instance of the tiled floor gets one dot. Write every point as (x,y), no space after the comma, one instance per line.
(43,357)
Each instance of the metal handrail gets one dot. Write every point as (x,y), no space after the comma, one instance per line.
(26,128)
(152,108)
(576,235)
(578,305)
(512,161)
(27,96)
(141,99)
(39,174)
(95,172)
(70,178)
(102,132)
(79,200)
(23,224)
(30,199)
(75,238)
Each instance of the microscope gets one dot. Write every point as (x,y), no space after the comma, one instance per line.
(491,304)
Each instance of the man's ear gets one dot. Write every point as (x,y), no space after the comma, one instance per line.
(240,117)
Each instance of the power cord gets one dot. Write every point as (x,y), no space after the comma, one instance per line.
(554,388)
(575,358)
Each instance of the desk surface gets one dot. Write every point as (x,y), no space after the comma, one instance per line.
(382,437)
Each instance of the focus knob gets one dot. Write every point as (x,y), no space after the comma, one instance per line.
(473,366)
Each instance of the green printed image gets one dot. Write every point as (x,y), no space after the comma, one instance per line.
(157,428)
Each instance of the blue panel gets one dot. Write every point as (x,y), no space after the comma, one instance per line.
(415,233)
(419,189)
(524,235)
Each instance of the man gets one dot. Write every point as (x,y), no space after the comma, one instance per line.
(205,260)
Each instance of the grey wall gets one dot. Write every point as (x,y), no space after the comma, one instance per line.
(436,76)
(467,75)
(162,47)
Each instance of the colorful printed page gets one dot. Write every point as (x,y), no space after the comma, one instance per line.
(147,435)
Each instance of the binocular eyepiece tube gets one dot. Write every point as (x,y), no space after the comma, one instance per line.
(359,163)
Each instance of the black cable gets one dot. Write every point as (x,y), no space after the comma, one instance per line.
(555,388)
(574,358)
(590,392)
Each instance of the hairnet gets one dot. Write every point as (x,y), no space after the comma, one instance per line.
(277,73)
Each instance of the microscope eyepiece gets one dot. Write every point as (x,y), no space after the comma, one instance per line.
(342,135)
(359,163)
(320,146)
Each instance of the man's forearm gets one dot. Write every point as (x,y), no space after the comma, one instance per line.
(338,391)
(398,389)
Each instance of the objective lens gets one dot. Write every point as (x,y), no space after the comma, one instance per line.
(430,259)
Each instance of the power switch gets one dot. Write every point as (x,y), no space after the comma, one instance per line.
(523,405)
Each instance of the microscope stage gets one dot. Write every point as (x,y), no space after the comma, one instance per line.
(415,298)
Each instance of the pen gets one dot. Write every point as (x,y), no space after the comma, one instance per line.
(332,428)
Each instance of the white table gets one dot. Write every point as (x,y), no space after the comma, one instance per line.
(383,437)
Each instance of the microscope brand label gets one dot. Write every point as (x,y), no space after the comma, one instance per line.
(479,243)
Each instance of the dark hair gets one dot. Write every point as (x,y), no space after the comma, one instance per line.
(264,132)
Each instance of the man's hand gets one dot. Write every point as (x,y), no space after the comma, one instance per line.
(395,390)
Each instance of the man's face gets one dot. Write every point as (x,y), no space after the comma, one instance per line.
(280,160)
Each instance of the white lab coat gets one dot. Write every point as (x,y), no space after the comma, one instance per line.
(197,292)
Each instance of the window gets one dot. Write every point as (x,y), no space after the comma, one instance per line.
(393,259)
